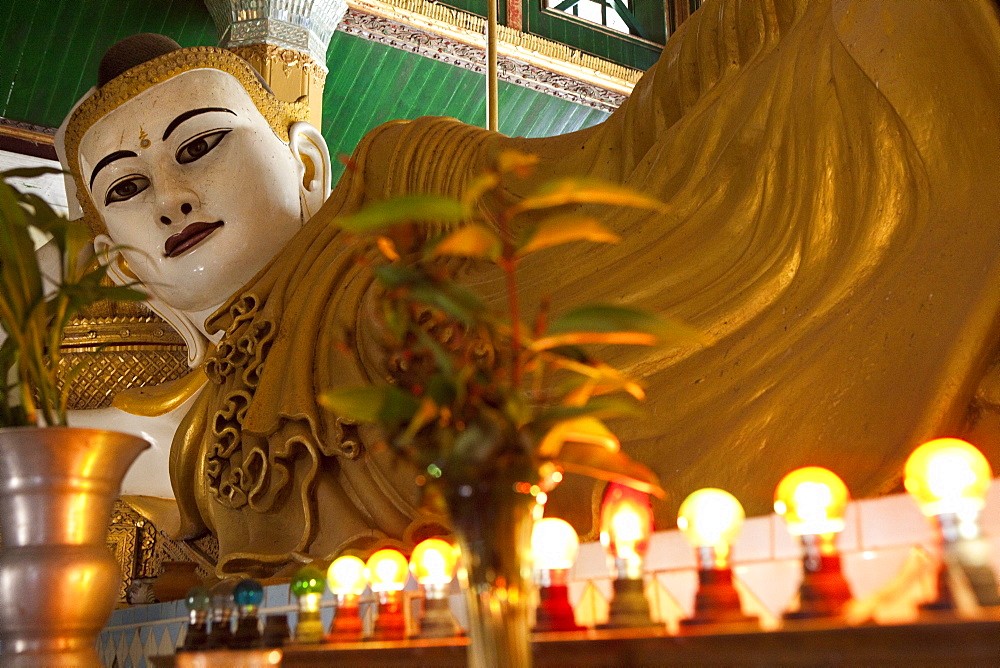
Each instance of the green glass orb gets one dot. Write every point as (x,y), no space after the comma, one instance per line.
(248,592)
(308,580)
(198,599)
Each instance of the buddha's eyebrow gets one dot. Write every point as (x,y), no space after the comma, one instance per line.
(188,114)
(107,160)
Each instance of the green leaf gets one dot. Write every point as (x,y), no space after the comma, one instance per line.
(442,359)
(469,241)
(30,172)
(596,461)
(406,209)
(398,406)
(362,403)
(565,228)
(442,389)
(20,278)
(396,275)
(583,191)
(451,299)
(601,408)
(45,217)
(606,318)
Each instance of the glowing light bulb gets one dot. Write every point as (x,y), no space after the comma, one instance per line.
(812,500)
(346,576)
(947,476)
(347,579)
(554,544)
(626,524)
(386,570)
(711,520)
(433,562)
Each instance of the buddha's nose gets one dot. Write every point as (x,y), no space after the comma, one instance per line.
(185,209)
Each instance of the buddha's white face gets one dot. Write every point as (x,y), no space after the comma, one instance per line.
(194,185)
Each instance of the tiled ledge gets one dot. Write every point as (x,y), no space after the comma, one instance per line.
(888,552)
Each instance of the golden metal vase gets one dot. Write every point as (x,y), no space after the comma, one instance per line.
(492,521)
(58,579)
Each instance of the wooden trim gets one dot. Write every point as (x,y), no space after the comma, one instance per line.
(27,139)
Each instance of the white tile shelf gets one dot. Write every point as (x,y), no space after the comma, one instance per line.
(888,554)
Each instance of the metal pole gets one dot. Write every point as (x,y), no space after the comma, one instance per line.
(492,108)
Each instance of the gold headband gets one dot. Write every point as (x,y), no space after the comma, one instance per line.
(279,115)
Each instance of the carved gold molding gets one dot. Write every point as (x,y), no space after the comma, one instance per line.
(140,549)
(291,74)
(470,29)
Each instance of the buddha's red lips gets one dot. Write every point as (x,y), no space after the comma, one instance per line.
(189,237)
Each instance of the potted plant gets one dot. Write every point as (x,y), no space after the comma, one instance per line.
(58,580)
(490,408)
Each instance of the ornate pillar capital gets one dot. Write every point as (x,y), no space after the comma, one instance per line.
(286,40)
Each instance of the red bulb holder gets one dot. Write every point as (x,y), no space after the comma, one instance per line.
(554,611)
(824,591)
(391,624)
(717,601)
(346,625)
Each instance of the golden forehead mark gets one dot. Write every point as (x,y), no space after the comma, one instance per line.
(143,138)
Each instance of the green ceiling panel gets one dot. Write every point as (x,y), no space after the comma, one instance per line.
(397,84)
(50,52)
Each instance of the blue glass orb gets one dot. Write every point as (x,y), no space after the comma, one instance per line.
(308,580)
(248,593)
(198,600)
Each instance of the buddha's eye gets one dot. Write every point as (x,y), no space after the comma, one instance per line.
(197,147)
(126,188)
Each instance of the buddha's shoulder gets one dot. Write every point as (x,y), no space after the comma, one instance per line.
(419,130)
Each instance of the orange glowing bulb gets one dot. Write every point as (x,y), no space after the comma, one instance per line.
(386,570)
(812,500)
(626,524)
(947,476)
(433,562)
(346,576)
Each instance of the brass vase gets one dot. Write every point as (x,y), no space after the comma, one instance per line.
(58,579)
(492,520)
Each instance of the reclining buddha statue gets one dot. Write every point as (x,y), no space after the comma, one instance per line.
(830,171)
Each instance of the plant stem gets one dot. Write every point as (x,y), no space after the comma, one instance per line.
(509,266)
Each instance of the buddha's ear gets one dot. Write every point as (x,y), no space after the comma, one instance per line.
(309,148)
(108,254)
